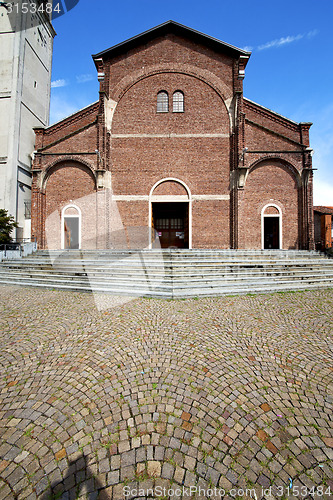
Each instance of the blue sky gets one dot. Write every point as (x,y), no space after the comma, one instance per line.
(290,70)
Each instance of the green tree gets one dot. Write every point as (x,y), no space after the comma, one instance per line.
(7,224)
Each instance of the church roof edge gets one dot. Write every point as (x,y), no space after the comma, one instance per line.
(176,28)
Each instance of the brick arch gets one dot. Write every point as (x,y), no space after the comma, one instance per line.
(205,109)
(269,182)
(271,210)
(170,187)
(294,172)
(67,181)
(203,75)
(64,163)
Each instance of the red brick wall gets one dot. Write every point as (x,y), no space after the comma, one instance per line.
(268,183)
(136,113)
(211,224)
(67,126)
(326,228)
(201,162)
(170,188)
(169,50)
(75,182)
(272,121)
(140,147)
(69,184)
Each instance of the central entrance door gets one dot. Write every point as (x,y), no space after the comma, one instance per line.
(170,220)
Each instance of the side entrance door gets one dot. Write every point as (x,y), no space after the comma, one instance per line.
(271,233)
(71,229)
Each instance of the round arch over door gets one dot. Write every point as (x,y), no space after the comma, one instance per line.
(71,221)
(271,227)
(170,213)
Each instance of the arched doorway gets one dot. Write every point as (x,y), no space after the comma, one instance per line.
(69,189)
(170,214)
(271,227)
(71,228)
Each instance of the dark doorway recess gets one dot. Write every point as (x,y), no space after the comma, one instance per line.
(271,233)
(171,221)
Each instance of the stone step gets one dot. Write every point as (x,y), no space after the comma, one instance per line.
(181,292)
(179,251)
(157,275)
(179,254)
(170,273)
(150,278)
(166,281)
(22,263)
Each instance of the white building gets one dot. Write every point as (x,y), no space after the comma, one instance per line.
(26,44)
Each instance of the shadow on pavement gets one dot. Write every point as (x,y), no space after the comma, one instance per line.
(79,480)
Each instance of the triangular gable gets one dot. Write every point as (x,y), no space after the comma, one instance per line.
(171,27)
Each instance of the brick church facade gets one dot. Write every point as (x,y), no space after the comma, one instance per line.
(173,154)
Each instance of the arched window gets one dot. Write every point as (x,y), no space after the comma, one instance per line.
(162,102)
(178,102)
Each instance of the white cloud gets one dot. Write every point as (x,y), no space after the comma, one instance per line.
(286,40)
(84,78)
(312,33)
(248,48)
(279,42)
(58,83)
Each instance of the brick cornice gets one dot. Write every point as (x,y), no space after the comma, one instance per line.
(93,108)
(271,115)
(68,136)
(269,130)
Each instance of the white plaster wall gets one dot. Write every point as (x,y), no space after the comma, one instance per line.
(25,58)
(26,143)
(6,61)
(4,122)
(35,84)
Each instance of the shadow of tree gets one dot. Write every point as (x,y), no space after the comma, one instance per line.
(79,480)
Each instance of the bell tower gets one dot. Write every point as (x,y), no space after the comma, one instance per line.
(26,45)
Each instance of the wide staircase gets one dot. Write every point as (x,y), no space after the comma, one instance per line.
(171,273)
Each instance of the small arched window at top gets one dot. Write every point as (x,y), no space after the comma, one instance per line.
(162,102)
(178,102)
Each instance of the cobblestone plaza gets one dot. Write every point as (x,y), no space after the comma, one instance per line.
(165,399)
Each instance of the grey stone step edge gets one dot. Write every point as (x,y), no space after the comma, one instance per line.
(136,277)
(162,284)
(189,293)
(162,263)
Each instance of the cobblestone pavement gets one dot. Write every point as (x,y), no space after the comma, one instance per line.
(231,393)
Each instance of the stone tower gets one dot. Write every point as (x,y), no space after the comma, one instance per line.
(26,44)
